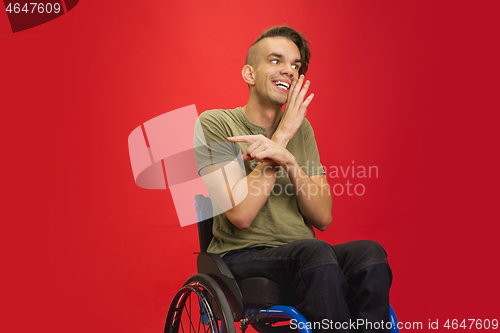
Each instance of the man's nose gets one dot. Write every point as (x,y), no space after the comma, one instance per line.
(288,70)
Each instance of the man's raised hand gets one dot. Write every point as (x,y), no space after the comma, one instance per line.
(295,111)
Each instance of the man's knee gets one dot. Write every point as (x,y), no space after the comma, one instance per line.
(372,250)
(357,255)
(361,248)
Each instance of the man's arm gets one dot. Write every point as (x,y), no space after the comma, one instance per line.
(313,195)
(247,193)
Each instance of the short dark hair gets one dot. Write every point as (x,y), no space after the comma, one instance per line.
(296,37)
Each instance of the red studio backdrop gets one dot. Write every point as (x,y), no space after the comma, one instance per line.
(409,88)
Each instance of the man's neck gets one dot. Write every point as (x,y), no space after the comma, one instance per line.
(265,116)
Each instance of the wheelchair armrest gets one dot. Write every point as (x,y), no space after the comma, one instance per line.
(213,266)
(213,263)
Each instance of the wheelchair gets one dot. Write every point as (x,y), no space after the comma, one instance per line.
(213,301)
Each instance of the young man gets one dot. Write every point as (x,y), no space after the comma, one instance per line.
(281,193)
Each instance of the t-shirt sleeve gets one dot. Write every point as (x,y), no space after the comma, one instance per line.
(210,141)
(314,166)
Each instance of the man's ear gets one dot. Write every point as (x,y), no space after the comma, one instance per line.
(247,73)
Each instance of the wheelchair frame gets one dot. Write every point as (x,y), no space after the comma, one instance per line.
(218,299)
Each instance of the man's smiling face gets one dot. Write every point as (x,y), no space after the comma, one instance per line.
(277,63)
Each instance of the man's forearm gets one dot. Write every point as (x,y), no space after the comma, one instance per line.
(281,138)
(250,193)
(314,200)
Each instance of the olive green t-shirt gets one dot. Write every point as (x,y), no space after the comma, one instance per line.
(279,222)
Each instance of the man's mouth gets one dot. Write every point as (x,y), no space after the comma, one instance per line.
(282,84)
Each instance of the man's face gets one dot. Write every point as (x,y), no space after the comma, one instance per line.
(278,63)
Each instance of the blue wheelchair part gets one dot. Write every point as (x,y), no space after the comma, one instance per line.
(289,313)
(394,320)
(280,312)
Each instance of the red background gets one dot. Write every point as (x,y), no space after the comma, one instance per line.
(410,87)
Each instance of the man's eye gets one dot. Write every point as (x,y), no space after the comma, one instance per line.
(296,67)
(275,61)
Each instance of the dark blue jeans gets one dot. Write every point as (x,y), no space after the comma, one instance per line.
(337,287)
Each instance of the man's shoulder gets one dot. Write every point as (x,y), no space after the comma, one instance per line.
(219,115)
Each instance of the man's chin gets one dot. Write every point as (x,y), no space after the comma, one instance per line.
(282,101)
(278,101)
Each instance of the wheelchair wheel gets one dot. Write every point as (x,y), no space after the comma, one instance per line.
(200,306)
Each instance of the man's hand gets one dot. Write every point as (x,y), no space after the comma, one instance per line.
(295,111)
(314,200)
(264,150)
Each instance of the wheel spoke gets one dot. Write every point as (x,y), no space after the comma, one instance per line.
(189,314)
(199,321)
(182,327)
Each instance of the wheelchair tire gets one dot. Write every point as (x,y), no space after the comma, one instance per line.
(200,306)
